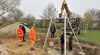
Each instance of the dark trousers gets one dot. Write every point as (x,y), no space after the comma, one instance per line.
(52,34)
(70,44)
(24,37)
(62,47)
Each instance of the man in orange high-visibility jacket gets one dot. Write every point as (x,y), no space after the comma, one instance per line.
(32,37)
(20,35)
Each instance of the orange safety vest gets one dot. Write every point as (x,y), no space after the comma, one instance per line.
(20,32)
(32,33)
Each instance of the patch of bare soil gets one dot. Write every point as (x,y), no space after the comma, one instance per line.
(11,43)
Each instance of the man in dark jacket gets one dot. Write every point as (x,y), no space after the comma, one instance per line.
(24,30)
(70,41)
(62,42)
(53,30)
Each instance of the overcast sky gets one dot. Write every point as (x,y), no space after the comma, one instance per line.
(36,7)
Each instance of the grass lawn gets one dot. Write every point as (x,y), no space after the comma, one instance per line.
(92,36)
(41,30)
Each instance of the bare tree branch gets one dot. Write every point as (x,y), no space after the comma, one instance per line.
(49,12)
(8,5)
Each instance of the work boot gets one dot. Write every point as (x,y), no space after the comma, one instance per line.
(32,47)
(19,44)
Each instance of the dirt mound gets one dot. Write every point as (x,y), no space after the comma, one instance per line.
(12,28)
(3,25)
